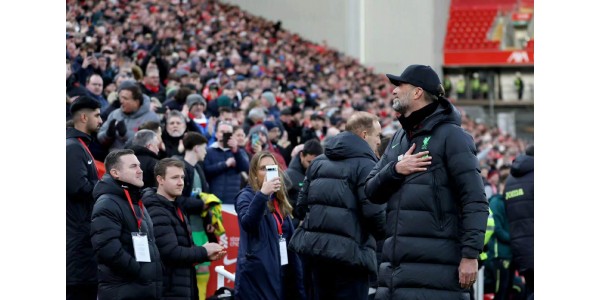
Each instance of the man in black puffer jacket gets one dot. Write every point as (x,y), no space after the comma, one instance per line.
(82,175)
(519,211)
(337,236)
(118,219)
(173,234)
(437,210)
(297,171)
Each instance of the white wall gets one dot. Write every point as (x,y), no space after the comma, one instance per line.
(314,20)
(395,33)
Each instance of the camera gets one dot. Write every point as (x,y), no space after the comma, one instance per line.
(226,137)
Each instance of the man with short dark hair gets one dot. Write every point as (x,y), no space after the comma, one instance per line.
(82,175)
(437,210)
(297,171)
(146,145)
(339,227)
(129,265)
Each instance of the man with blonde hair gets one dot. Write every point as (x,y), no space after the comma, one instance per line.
(337,236)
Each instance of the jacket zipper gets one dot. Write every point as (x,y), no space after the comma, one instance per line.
(395,232)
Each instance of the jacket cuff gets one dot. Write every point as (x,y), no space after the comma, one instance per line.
(468,252)
(392,171)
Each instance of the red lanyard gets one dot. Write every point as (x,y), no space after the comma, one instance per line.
(180,214)
(141,205)
(90,153)
(275,215)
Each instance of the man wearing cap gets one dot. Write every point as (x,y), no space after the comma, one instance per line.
(436,205)
(270,103)
(196,106)
(82,281)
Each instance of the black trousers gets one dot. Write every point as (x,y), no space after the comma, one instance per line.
(335,281)
(82,292)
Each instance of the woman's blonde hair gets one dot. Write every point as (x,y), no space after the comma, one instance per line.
(282,197)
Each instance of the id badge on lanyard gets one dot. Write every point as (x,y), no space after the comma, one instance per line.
(282,244)
(140,239)
(140,246)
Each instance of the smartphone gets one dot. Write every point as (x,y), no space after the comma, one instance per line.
(97,54)
(255,139)
(161,110)
(271,172)
(226,137)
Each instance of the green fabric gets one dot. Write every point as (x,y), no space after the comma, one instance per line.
(484,87)
(198,234)
(460,86)
(475,84)
(499,246)
(489,231)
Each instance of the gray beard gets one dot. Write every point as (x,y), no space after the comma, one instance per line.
(399,106)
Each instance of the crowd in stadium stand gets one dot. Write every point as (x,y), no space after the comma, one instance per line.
(205,63)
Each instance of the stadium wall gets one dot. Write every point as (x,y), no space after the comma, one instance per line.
(385,34)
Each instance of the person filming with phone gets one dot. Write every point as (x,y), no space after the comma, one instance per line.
(265,267)
(224,162)
(259,141)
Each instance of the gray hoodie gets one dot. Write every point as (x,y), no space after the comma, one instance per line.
(132,122)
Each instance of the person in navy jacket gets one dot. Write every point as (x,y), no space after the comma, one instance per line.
(264,217)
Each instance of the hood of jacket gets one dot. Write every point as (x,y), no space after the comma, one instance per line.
(522,165)
(151,198)
(445,113)
(108,185)
(348,145)
(143,151)
(296,164)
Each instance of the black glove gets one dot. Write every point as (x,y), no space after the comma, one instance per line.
(121,128)
(111,128)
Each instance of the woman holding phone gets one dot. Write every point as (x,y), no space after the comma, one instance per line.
(265,267)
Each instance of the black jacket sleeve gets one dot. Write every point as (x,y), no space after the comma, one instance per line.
(301,204)
(383,180)
(79,185)
(463,169)
(374,214)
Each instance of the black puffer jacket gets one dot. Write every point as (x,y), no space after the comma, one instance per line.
(177,251)
(519,210)
(296,173)
(120,276)
(434,218)
(81,178)
(340,222)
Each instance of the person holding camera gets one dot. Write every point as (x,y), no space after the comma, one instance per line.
(224,162)
(266,269)
(259,141)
